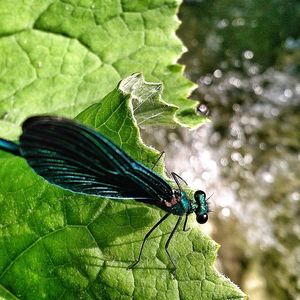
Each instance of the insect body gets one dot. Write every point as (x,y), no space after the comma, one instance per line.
(81,160)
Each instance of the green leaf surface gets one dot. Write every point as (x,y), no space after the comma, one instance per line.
(61,56)
(55,244)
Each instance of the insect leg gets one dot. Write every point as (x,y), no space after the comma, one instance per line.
(175,174)
(158,159)
(169,239)
(176,180)
(185,222)
(145,238)
(155,164)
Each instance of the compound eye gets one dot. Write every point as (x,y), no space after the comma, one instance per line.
(201,219)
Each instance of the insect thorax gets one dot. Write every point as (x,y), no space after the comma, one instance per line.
(182,205)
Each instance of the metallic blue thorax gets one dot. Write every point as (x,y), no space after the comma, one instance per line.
(183,206)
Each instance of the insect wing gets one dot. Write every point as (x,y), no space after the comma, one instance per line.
(79,159)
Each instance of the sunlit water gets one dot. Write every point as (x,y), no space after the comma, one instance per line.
(248,156)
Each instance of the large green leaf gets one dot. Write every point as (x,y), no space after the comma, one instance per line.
(60,56)
(55,244)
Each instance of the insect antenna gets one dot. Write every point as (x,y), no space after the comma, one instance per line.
(209,210)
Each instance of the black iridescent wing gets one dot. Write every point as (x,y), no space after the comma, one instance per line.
(79,159)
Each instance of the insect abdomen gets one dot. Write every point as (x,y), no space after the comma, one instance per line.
(9,147)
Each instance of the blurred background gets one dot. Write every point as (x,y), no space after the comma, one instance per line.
(245,57)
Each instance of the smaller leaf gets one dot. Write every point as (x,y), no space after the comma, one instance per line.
(148,107)
(187,117)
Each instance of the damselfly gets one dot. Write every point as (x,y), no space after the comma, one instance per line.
(79,159)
